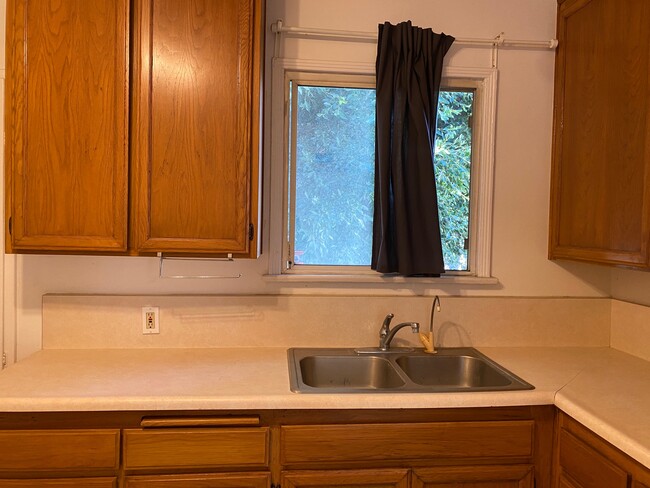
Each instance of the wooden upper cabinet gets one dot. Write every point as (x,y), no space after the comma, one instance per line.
(600,192)
(67,124)
(195,127)
(188,164)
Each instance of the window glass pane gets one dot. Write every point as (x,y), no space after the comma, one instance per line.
(334,175)
(335,167)
(452,167)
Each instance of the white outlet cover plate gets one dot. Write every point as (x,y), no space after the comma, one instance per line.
(156,316)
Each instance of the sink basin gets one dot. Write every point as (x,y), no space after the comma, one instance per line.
(339,370)
(459,371)
(367,372)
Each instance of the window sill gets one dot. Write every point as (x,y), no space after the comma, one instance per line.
(379,279)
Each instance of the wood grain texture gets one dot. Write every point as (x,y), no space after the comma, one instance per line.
(60,483)
(586,466)
(302,445)
(202,421)
(195,141)
(507,476)
(72,450)
(565,482)
(600,191)
(226,480)
(584,460)
(362,478)
(196,448)
(67,122)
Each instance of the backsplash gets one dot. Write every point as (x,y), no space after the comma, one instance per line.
(109,321)
(631,328)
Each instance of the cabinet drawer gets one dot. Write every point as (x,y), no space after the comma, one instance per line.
(65,450)
(378,442)
(230,480)
(586,466)
(196,448)
(61,483)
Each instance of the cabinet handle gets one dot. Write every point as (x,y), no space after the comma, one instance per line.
(162,422)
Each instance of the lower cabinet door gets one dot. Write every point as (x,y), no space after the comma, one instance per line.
(60,483)
(564,482)
(223,480)
(507,476)
(365,478)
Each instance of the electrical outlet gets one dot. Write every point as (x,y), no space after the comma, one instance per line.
(150,320)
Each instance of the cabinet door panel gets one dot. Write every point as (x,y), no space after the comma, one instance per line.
(565,482)
(228,480)
(196,448)
(309,444)
(196,108)
(375,478)
(586,466)
(600,195)
(63,450)
(66,124)
(519,476)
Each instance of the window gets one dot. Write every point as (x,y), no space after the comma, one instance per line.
(328,179)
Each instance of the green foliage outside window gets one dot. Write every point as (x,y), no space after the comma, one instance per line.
(334,175)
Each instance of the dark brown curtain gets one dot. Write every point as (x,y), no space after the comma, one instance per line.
(406,229)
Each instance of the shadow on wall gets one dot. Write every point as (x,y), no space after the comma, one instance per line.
(451,334)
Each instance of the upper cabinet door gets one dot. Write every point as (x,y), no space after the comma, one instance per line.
(66,124)
(600,193)
(195,132)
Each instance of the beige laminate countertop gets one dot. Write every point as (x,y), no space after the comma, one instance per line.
(606,390)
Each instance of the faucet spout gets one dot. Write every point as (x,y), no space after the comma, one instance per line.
(427,339)
(386,334)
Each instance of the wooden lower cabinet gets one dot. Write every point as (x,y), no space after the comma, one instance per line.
(197,448)
(584,460)
(59,458)
(222,480)
(405,448)
(60,483)
(517,476)
(360,478)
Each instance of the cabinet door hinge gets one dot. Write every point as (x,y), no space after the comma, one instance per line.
(251,231)
(4,360)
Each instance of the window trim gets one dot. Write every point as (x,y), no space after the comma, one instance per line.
(483,80)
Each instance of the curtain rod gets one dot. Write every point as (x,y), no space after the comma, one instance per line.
(278,27)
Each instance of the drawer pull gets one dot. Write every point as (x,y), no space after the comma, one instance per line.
(162,422)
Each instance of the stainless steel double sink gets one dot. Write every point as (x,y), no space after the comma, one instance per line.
(339,370)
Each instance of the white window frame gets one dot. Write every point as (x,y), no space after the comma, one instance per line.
(482,80)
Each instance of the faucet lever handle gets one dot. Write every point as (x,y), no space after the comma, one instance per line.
(385,326)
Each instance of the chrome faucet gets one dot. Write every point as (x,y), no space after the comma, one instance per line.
(386,334)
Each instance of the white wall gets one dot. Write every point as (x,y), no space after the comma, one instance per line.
(523,147)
